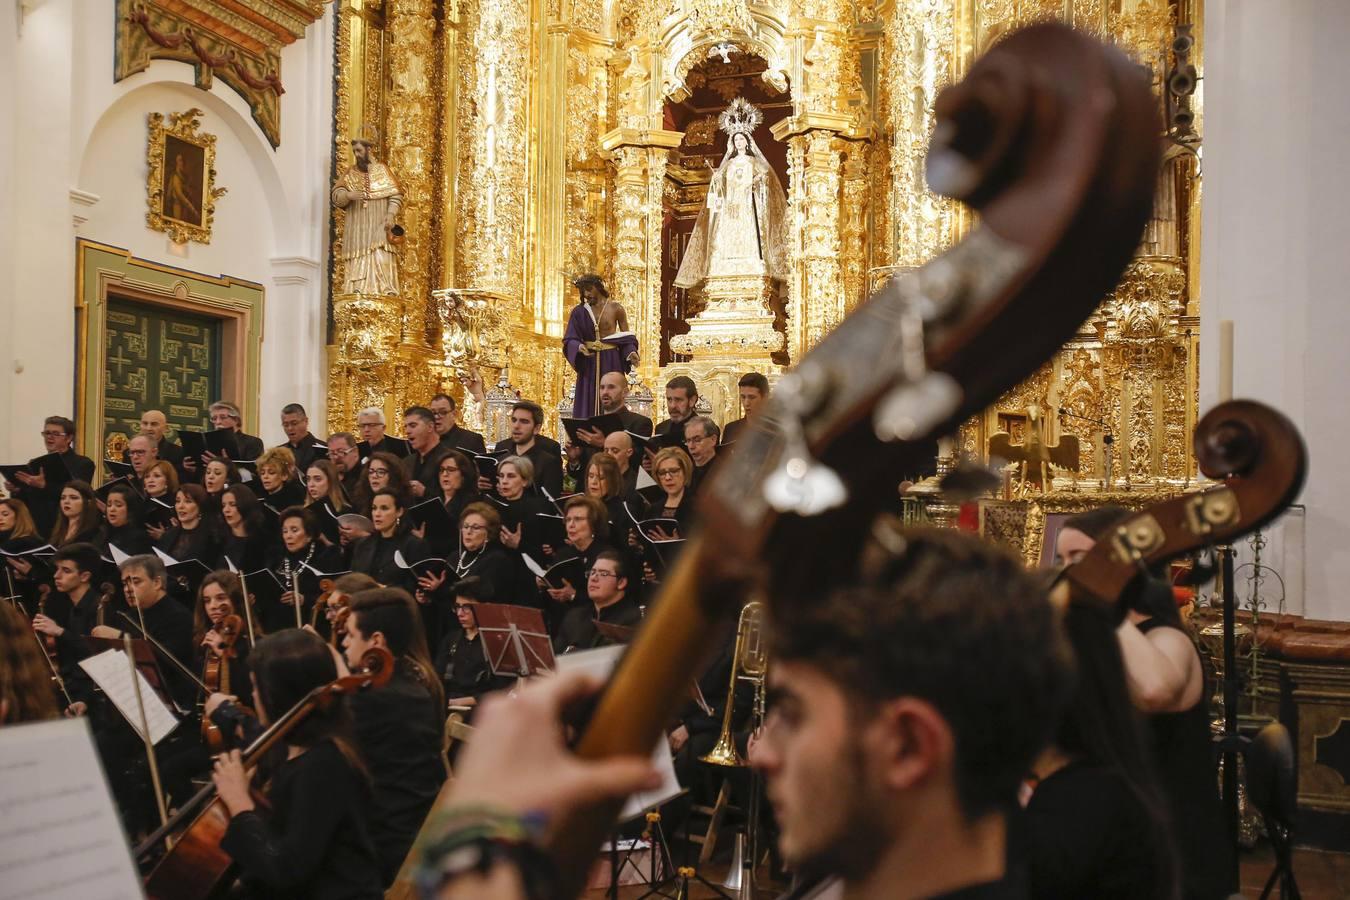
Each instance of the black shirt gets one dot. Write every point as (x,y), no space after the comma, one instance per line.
(398,729)
(315,842)
(731,431)
(426,469)
(168,451)
(374,555)
(546,457)
(464,670)
(635,422)
(306,451)
(170,623)
(1085,833)
(458,438)
(44,503)
(130,539)
(291,493)
(577,629)
(501,569)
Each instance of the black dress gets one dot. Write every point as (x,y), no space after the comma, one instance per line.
(464,670)
(130,539)
(1085,833)
(315,842)
(374,555)
(399,731)
(501,569)
(290,569)
(521,513)
(1184,760)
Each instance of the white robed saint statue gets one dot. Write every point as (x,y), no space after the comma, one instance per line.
(739,231)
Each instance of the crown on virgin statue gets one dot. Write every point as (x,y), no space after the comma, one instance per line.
(741,117)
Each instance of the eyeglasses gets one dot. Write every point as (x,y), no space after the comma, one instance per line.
(473,528)
(53,434)
(461,607)
(697,438)
(331,451)
(445,469)
(138,452)
(669,473)
(374,471)
(601,573)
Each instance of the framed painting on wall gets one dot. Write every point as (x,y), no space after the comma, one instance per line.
(181,189)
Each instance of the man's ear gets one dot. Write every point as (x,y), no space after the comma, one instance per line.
(912,742)
(377,639)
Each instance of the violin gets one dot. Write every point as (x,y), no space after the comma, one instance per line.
(106,592)
(195,866)
(1052,139)
(48,640)
(216,675)
(322,603)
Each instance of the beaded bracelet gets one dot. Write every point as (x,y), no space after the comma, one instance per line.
(474,839)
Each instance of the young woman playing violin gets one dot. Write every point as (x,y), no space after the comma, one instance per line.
(220,634)
(314,840)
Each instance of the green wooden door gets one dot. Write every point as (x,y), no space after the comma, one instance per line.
(157,358)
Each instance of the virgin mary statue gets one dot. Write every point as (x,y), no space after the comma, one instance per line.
(739,231)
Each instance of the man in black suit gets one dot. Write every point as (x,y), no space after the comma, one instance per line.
(370,423)
(454,437)
(527,417)
(613,401)
(753,389)
(681,398)
(43,499)
(225,416)
(153,426)
(700,436)
(303,445)
(347,460)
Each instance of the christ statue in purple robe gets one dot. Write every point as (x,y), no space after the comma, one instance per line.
(597,341)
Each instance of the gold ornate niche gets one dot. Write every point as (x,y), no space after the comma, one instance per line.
(544,150)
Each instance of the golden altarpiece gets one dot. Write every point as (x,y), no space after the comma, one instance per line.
(535,141)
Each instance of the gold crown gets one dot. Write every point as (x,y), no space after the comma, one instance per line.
(741,117)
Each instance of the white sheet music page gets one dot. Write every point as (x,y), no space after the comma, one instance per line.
(112,673)
(59,832)
(600,662)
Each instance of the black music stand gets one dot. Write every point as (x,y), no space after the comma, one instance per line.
(515,640)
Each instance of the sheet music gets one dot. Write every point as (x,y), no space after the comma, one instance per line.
(112,673)
(59,831)
(600,663)
(644,480)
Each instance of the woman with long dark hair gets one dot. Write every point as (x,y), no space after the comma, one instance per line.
(384,472)
(1096,824)
(325,495)
(374,554)
(123,527)
(79,520)
(192,536)
(26,693)
(296,559)
(314,841)
(398,726)
(244,540)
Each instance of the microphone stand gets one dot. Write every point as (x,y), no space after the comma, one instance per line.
(1107,440)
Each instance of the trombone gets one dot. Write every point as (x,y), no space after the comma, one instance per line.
(749,661)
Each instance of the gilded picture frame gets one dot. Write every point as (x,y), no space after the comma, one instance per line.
(181,187)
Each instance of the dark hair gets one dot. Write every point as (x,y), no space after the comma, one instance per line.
(1100,726)
(25,677)
(957,623)
(84,555)
(1097,523)
(422,413)
(683,383)
(343,435)
(398,478)
(534,409)
(294,409)
(286,667)
(590,279)
(198,495)
(132,498)
(352,582)
(755,380)
(614,556)
(67,425)
(710,428)
(394,613)
(337,494)
(249,506)
(304,514)
(149,564)
(596,513)
(468,472)
(609,474)
(447,398)
(473,588)
(233,587)
(89,514)
(231,471)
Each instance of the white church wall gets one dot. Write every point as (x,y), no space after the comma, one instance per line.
(1276,216)
(79,170)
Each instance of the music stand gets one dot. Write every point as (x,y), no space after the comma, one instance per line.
(146,663)
(515,640)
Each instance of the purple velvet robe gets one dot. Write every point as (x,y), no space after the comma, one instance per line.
(589,369)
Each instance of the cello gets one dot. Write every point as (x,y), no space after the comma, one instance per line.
(1052,139)
(195,866)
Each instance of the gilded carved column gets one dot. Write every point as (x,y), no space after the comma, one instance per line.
(823,289)
(853,228)
(411,128)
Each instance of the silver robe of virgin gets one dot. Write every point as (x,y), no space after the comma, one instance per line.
(739,231)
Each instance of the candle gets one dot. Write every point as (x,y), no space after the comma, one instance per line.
(1225,360)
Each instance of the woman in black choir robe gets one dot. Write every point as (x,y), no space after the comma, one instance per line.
(461,662)
(122,528)
(298,560)
(374,554)
(281,487)
(78,520)
(482,556)
(245,540)
(458,479)
(384,472)
(674,471)
(314,841)
(17,534)
(325,495)
(1095,825)
(519,506)
(218,475)
(192,537)
(584,519)
(399,726)
(161,486)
